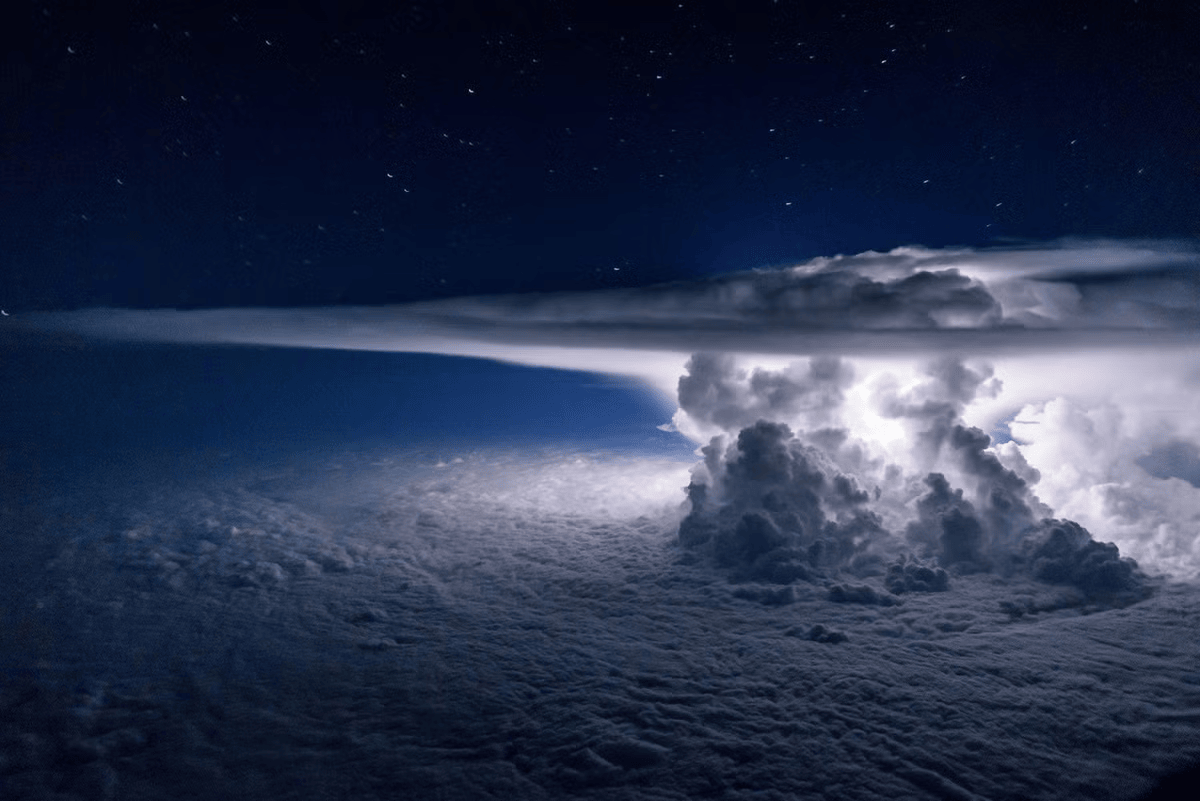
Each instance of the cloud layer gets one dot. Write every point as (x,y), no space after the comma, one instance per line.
(909,300)
(489,626)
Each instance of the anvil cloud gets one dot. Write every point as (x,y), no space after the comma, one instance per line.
(908,300)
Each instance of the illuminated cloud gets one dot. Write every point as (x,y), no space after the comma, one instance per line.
(893,366)
(718,395)
(871,533)
(777,506)
(909,300)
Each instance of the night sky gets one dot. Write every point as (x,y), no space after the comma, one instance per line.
(171,156)
(609,401)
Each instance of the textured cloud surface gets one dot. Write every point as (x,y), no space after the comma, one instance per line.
(781,506)
(378,624)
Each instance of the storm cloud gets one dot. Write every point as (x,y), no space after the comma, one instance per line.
(908,300)
(1041,380)
(878,576)
(773,505)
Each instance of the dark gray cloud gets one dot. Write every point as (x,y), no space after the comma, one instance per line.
(860,594)
(774,511)
(771,507)
(946,526)
(1004,498)
(912,575)
(1063,552)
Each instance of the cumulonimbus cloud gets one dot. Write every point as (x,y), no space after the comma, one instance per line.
(1068,329)
(778,505)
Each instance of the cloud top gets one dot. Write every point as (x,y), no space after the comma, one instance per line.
(908,300)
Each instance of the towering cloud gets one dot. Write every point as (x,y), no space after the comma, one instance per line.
(772,504)
(935,405)
(1091,346)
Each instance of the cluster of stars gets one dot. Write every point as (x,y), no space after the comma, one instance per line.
(455,143)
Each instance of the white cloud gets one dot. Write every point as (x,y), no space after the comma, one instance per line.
(1085,326)
(910,300)
(1087,456)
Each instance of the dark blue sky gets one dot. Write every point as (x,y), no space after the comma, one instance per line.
(353,153)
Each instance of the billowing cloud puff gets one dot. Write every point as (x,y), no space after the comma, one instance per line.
(1099,465)
(717,395)
(946,524)
(715,392)
(910,575)
(1062,552)
(935,404)
(773,505)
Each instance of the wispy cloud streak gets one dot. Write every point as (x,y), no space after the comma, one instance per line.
(909,300)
